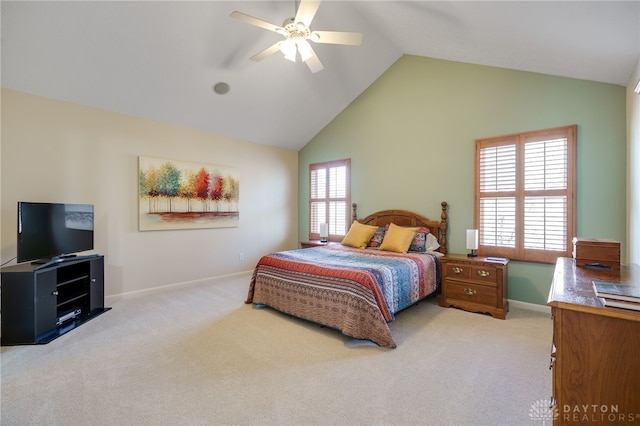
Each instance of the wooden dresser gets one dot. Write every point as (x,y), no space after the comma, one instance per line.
(595,355)
(476,284)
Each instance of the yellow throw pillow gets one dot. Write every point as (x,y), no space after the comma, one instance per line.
(398,239)
(359,235)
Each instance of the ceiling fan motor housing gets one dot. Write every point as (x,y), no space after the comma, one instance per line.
(295,29)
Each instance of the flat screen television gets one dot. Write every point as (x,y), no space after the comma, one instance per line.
(53,231)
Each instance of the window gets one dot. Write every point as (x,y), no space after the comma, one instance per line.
(330,198)
(525,194)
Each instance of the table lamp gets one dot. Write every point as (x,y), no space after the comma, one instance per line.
(472,242)
(324,232)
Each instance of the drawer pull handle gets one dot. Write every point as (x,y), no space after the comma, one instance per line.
(456,270)
(483,274)
(469,291)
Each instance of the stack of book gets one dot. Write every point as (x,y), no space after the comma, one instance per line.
(625,296)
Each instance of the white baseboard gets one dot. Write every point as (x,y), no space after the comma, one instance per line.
(530,306)
(115,297)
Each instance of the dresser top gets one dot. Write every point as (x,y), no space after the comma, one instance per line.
(572,287)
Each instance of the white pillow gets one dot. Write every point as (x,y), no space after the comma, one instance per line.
(432,243)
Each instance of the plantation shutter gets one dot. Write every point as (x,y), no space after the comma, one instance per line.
(329,198)
(545,201)
(497,181)
(525,194)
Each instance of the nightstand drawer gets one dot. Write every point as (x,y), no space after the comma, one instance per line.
(457,271)
(470,292)
(485,274)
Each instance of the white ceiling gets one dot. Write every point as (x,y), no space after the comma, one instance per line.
(159,60)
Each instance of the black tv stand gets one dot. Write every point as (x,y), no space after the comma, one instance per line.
(43,302)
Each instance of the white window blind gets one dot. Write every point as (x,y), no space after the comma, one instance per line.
(329,198)
(525,194)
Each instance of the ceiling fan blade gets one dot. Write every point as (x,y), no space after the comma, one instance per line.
(257,22)
(306,11)
(313,62)
(266,52)
(337,37)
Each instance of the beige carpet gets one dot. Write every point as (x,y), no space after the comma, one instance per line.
(197,356)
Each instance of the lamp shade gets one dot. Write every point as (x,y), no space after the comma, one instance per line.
(472,239)
(324,231)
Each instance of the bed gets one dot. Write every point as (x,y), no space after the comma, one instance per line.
(357,291)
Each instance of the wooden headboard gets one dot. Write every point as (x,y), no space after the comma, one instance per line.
(407,218)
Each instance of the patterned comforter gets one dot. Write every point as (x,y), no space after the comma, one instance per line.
(356,291)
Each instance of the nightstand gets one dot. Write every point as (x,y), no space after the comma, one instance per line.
(314,243)
(475,284)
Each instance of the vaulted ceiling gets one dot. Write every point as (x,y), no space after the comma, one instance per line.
(159,60)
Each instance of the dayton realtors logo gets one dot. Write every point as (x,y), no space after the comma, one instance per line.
(599,414)
(545,411)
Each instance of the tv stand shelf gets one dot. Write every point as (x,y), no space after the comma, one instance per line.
(41,303)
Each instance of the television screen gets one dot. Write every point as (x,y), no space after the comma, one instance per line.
(50,230)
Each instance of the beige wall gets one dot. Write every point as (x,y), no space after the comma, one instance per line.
(633,167)
(55,151)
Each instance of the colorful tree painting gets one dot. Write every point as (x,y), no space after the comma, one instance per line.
(183,195)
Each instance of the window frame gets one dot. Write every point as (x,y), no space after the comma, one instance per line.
(519,251)
(313,233)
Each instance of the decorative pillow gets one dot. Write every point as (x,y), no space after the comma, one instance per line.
(377,238)
(419,243)
(398,239)
(359,235)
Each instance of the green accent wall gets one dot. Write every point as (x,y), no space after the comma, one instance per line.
(410,137)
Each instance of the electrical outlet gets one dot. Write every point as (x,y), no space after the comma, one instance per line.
(241,257)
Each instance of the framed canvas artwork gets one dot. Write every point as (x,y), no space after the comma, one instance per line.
(184,195)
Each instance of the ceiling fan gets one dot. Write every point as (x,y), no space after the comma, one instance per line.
(297,32)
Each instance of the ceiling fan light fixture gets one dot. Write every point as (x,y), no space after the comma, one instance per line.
(288,47)
(305,49)
(305,55)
